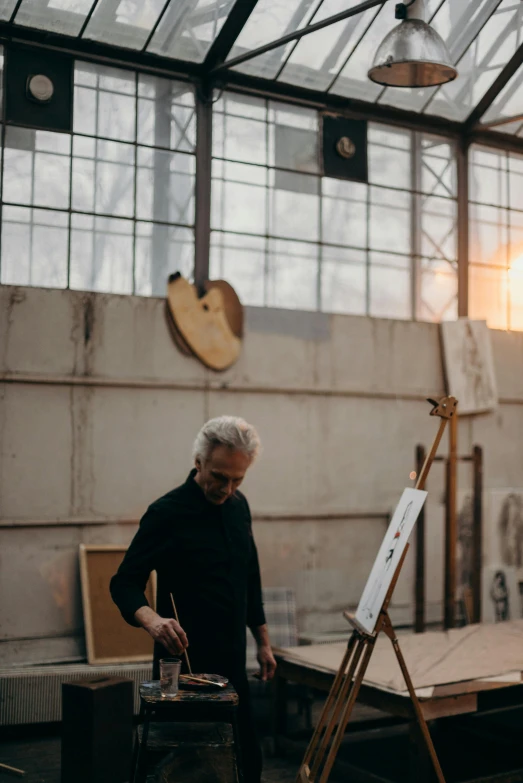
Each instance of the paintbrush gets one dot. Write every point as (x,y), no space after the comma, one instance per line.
(176,618)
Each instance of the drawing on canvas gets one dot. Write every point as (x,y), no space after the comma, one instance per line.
(510,530)
(501,595)
(389,555)
(469,365)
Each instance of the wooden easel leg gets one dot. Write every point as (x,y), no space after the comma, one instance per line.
(389,630)
(346,689)
(347,711)
(335,699)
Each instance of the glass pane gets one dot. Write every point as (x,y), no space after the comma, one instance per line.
(294,206)
(166,114)
(353,80)
(57,16)
(387,164)
(488,235)
(160,251)
(107,107)
(389,226)
(103,177)
(241,261)
(318,57)
(188,29)
(488,176)
(390,295)
(34,247)
(165,186)
(438,291)
(507,105)
(515,288)
(488,296)
(240,139)
(292,275)
(344,213)
(293,148)
(240,106)
(439,228)
(438,167)
(496,36)
(515,182)
(36,167)
(124,23)
(101,254)
(237,206)
(270,20)
(343,281)
(6,9)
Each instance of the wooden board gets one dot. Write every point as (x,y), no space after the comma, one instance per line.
(434,658)
(109,639)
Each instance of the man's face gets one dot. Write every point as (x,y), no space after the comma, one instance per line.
(222,473)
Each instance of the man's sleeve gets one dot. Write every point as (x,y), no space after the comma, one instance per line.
(255,611)
(128,584)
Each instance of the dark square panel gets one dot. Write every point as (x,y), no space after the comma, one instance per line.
(344,148)
(23,109)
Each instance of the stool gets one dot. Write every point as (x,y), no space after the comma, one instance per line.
(201,706)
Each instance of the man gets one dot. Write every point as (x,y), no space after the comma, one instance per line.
(198,539)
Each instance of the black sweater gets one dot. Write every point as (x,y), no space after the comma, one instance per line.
(206,556)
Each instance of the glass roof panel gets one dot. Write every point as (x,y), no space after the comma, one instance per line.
(189,27)
(124,22)
(6,9)
(318,57)
(481,63)
(508,104)
(270,20)
(458,22)
(57,16)
(353,80)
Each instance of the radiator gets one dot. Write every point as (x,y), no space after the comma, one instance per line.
(34,694)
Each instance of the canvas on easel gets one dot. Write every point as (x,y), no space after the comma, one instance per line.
(389,556)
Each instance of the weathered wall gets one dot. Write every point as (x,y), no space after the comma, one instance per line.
(99,410)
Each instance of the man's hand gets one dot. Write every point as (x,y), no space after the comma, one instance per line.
(163,630)
(266,661)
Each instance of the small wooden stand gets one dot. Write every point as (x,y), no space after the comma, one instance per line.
(325,743)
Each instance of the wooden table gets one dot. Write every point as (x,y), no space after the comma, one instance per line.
(470,697)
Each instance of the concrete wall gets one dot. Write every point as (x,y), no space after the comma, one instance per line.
(99,410)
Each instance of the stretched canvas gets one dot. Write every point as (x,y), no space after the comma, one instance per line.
(389,555)
(500,600)
(503,529)
(469,365)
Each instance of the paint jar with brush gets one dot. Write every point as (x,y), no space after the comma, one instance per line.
(169,676)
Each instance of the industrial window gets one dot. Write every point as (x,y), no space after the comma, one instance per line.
(285,236)
(496,238)
(109,207)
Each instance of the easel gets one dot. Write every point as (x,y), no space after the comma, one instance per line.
(326,740)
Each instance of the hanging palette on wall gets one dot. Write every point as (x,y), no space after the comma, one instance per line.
(208,327)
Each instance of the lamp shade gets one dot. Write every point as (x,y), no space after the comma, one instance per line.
(413,54)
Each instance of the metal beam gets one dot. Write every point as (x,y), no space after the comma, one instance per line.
(227,36)
(316,99)
(297,34)
(494,90)
(202,238)
(506,142)
(462,154)
(95,51)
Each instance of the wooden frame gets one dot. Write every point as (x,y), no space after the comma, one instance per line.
(135,645)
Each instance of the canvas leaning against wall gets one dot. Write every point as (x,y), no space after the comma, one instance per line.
(469,365)
(502,555)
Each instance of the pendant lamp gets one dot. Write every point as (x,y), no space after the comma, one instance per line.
(413,54)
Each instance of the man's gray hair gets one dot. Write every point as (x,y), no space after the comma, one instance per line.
(228,431)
